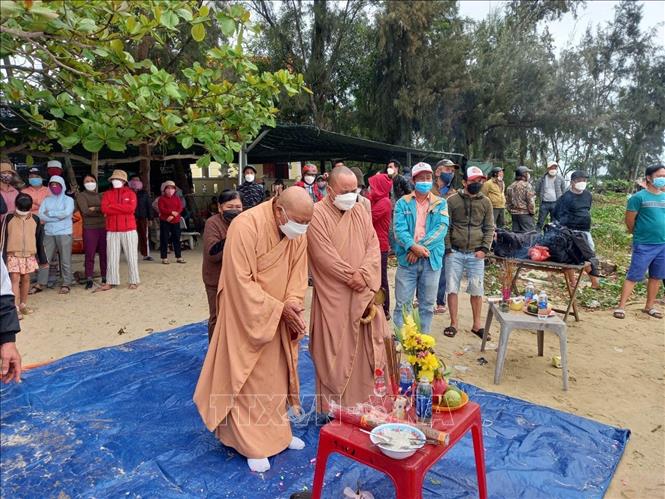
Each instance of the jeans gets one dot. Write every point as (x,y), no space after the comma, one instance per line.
(63,246)
(441,293)
(384,282)
(94,242)
(418,276)
(546,207)
(169,232)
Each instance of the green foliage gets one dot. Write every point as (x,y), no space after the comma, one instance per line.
(87,76)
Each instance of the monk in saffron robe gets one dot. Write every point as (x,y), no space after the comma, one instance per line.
(345,262)
(249,375)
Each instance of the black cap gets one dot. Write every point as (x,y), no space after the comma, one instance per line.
(578,174)
(520,171)
(249,167)
(34,171)
(495,171)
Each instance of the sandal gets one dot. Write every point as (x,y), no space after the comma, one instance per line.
(450,331)
(64,290)
(133,286)
(25,310)
(181,260)
(653,312)
(619,313)
(37,288)
(103,287)
(480,332)
(440,309)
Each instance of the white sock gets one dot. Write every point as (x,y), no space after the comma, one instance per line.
(296,444)
(259,465)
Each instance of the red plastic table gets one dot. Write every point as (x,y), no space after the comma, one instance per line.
(407,474)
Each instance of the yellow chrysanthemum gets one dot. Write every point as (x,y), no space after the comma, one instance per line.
(426,374)
(427,340)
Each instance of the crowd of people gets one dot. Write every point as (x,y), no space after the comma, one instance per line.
(333,231)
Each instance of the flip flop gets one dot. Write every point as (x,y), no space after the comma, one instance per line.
(653,312)
(619,313)
(64,290)
(440,309)
(480,333)
(450,331)
(35,289)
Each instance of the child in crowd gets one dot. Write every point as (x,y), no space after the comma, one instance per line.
(22,239)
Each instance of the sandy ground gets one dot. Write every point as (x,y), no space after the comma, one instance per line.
(616,367)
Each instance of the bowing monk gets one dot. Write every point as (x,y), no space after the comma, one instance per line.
(345,262)
(249,375)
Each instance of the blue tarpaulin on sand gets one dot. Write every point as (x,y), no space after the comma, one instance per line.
(120,421)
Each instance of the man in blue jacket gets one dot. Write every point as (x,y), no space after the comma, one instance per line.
(420,225)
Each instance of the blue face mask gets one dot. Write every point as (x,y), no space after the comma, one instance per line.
(423,187)
(446,178)
(659,182)
(35,181)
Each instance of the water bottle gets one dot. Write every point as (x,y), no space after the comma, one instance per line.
(405,378)
(379,383)
(542,305)
(424,401)
(529,292)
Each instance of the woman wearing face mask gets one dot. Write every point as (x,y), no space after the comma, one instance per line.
(118,205)
(22,244)
(89,202)
(7,190)
(251,192)
(36,190)
(170,207)
(56,213)
(308,181)
(214,236)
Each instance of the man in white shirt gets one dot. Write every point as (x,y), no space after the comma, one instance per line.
(549,189)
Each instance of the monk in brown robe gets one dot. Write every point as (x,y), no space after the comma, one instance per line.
(345,262)
(249,375)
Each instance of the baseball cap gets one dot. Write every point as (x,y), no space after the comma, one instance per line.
(54,163)
(419,168)
(578,174)
(34,171)
(552,164)
(473,172)
(447,163)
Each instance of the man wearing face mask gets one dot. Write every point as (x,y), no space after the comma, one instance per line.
(56,213)
(249,375)
(7,190)
(229,205)
(308,181)
(549,189)
(520,201)
(401,186)
(119,205)
(494,189)
(645,220)
(143,215)
(250,191)
(420,223)
(573,210)
(36,189)
(467,244)
(345,261)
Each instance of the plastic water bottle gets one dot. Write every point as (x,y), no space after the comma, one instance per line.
(529,292)
(405,379)
(424,401)
(379,383)
(542,305)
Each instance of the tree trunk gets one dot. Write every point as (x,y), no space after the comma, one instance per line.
(71,176)
(94,164)
(144,166)
(317,62)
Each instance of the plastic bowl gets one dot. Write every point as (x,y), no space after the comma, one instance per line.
(392,452)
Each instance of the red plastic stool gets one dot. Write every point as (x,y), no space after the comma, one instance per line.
(408,474)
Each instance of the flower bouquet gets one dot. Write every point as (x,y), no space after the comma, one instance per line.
(418,348)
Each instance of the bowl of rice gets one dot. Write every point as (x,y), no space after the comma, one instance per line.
(397,440)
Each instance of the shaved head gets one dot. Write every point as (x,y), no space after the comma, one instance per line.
(343,180)
(297,203)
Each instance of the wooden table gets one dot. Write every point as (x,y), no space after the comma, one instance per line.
(551,268)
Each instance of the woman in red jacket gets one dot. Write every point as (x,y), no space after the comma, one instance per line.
(382,214)
(169,207)
(118,205)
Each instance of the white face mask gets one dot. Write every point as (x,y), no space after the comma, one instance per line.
(309,179)
(551,173)
(390,172)
(345,202)
(580,186)
(292,229)
(117,183)
(90,186)
(249,177)
(21,213)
